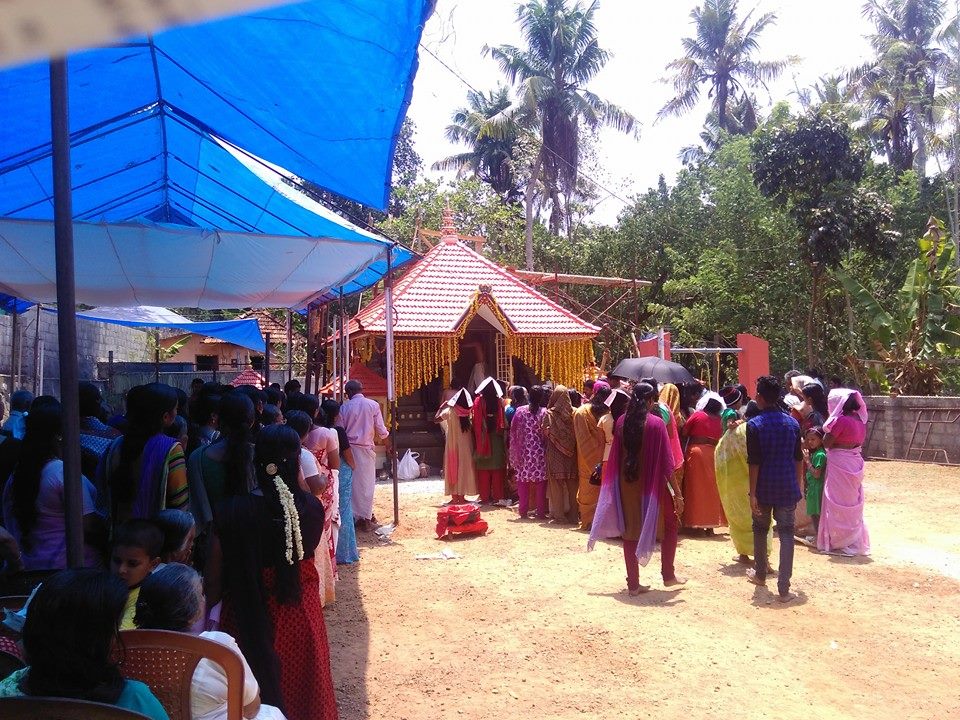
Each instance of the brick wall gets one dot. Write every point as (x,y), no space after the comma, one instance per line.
(94,342)
(914,428)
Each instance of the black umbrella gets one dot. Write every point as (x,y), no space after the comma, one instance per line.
(663,371)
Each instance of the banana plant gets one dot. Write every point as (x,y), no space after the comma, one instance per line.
(912,339)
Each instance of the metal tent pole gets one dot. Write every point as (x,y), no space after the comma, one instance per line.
(66,311)
(14,321)
(334,342)
(310,349)
(36,353)
(289,345)
(391,386)
(342,348)
(266,358)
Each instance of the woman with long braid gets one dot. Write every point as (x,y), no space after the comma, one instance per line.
(262,565)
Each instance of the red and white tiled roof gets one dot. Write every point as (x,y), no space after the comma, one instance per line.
(249,377)
(435,296)
(373,384)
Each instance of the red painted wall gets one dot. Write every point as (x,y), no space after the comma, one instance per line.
(753,362)
(648,348)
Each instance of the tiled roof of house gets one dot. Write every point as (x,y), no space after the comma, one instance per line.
(269,324)
(436,294)
(373,384)
(249,377)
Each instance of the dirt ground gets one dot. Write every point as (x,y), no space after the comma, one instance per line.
(526,623)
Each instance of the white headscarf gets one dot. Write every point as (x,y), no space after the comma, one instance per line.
(466,394)
(707,397)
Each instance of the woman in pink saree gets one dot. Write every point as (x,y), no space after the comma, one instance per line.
(842,529)
(638,480)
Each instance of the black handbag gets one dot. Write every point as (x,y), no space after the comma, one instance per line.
(596,477)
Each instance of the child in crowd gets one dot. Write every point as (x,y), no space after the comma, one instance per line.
(816,467)
(16,425)
(136,553)
(310,478)
(271,415)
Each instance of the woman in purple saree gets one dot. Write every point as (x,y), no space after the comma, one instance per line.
(638,482)
(842,529)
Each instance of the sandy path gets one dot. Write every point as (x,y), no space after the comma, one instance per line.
(527,622)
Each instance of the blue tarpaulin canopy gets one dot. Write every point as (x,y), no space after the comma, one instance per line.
(318,89)
(242,236)
(245,333)
(10,305)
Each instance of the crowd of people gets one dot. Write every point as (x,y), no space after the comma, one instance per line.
(226,512)
(644,461)
(223,513)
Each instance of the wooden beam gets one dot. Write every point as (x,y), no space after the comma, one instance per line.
(705,351)
(541,278)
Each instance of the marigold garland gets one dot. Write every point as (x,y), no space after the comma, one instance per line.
(561,360)
(420,360)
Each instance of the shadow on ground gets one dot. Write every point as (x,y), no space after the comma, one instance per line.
(348,630)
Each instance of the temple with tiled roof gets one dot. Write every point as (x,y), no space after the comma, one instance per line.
(453,299)
(459,316)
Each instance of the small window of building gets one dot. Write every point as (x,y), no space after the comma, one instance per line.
(207,363)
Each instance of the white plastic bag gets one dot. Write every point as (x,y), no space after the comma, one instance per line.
(409,468)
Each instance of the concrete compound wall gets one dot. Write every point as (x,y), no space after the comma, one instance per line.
(94,342)
(925,429)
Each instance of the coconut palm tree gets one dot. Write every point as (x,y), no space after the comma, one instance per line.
(903,76)
(741,120)
(562,55)
(889,117)
(721,58)
(491,156)
(831,92)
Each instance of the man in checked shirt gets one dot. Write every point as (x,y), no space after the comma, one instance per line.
(776,469)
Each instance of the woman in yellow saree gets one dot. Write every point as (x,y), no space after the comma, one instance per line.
(733,483)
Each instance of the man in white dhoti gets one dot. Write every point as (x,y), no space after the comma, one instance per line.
(363,421)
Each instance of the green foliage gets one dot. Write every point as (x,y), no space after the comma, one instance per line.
(493,152)
(739,272)
(923,325)
(477,211)
(812,166)
(722,257)
(897,88)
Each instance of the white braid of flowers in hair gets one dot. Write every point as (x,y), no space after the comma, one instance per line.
(291,519)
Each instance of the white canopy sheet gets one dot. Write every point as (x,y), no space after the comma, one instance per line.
(124,265)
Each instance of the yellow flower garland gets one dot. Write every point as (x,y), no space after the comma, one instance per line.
(420,360)
(560,360)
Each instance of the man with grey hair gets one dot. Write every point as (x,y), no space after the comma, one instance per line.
(362,420)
